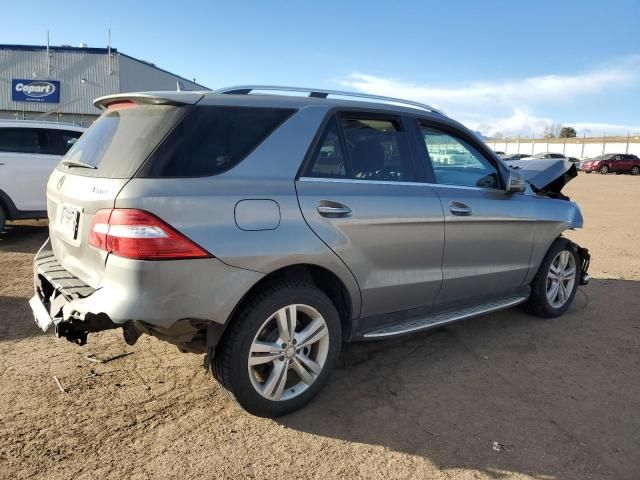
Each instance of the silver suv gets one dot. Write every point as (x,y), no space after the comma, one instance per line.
(266,229)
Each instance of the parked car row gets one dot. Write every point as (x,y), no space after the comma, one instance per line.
(607,163)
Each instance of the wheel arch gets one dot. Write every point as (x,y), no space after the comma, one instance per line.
(7,206)
(321,277)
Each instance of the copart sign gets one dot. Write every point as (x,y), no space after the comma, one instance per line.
(45,91)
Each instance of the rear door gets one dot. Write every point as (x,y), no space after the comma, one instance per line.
(489,233)
(625,163)
(359,193)
(616,163)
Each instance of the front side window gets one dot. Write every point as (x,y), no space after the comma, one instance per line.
(378,149)
(456,162)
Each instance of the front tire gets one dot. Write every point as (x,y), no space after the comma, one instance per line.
(604,169)
(556,283)
(3,219)
(279,350)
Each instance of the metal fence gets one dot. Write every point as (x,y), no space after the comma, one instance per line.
(579,147)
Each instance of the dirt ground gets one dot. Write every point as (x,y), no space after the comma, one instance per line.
(561,398)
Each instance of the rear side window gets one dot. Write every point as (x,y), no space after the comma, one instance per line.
(118,143)
(329,160)
(374,148)
(378,149)
(212,139)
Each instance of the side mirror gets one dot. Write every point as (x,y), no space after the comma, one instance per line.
(515,182)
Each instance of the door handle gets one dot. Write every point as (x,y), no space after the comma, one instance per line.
(327,208)
(458,208)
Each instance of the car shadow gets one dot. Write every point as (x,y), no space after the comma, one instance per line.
(500,394)
(23,237)
(16,321)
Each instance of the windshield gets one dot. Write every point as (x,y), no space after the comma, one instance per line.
(602,157)
(121,140)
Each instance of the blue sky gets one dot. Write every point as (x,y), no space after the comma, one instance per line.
(509,67)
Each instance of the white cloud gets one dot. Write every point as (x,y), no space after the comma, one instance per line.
(523,123)
(515,98)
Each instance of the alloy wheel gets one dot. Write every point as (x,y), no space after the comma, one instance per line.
(561,279)
(289,352)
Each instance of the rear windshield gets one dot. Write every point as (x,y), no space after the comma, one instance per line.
(120,140)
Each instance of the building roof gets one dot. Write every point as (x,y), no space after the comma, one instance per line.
(63,48)
(98,50)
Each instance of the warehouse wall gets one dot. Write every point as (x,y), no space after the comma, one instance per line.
(69,67)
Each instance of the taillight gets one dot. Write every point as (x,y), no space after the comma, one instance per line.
(121,104)
(140,235)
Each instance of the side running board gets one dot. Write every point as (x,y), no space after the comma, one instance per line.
(436,319)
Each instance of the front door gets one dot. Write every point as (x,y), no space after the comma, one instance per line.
(488,232)
(359,195)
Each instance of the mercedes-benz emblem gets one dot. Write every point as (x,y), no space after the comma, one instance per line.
(61,181)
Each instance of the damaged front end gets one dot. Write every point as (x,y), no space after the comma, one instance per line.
(585,260)
(546,177)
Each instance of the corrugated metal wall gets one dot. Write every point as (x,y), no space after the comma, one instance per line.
(69,67)
(136,76)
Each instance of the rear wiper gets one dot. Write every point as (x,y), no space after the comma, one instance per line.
(74,163)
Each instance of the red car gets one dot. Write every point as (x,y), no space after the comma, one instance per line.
(612,162)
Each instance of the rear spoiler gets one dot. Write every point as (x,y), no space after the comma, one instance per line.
(151,98)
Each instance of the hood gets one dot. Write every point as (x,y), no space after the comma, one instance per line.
(546,175)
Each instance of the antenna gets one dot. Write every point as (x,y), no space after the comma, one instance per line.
(48,55)
(109,53)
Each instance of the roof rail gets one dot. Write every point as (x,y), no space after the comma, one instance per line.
(316,93)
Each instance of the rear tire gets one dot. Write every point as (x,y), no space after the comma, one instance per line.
(257,362)
(635,170)
(555,285)
(3,218)
(604,169)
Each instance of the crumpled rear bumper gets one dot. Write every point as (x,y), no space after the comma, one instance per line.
(168,299)
(55,289)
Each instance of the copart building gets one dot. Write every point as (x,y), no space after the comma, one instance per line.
(60,83)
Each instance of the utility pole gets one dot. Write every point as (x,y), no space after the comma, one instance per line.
(604,142)
(627,149)
(584,136)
